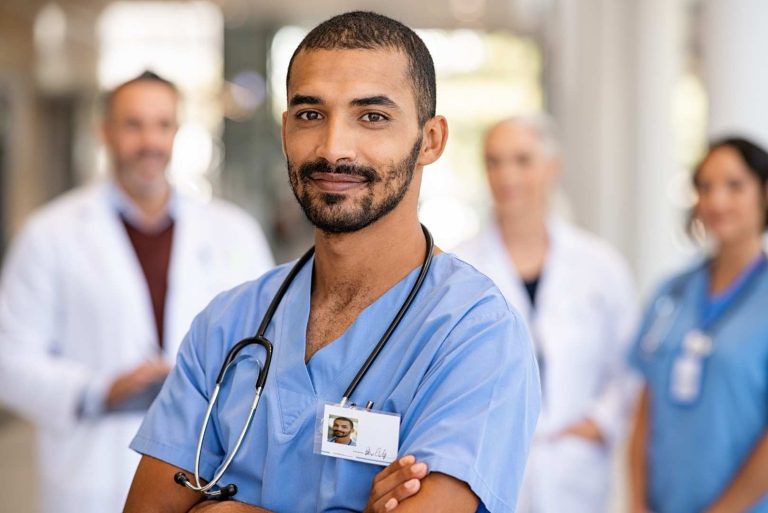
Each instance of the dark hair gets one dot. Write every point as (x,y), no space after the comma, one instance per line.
(361,30)
(755,157)
(145,76)
(351,424)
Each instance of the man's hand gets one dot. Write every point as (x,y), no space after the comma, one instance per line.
(135,381)
(400,480)
(586,429)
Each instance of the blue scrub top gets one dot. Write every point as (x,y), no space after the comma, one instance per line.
(459,369)
(696,450)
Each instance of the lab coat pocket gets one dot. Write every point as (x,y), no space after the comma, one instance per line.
(581,469)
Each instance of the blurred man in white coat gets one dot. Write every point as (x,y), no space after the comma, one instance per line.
(577,296)
(97,292)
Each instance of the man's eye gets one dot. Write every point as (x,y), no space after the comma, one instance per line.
(309,115)
(374,117)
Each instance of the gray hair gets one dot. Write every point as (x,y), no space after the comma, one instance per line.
(541,124)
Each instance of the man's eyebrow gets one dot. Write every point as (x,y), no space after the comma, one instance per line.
(380,100)
(301,99)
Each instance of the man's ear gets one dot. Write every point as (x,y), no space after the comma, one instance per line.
(434,137)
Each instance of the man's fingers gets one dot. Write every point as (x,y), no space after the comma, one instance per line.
(137,380)
(393,499)
(151,370)
(396,465)
(148,373)
(400,483)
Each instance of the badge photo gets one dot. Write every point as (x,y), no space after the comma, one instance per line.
(357,434)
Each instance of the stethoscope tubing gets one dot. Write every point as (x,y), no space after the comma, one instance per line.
(260,339)
(395,322)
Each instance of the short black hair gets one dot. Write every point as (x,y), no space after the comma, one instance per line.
(753,155)
(361,30)
(144,76)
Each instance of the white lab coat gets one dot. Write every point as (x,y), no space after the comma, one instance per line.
(75,312)
(582,324)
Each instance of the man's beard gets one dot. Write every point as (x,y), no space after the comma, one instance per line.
(321,209)
(143,182)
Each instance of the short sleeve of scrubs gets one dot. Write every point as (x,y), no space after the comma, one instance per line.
(463,379)
(472,418)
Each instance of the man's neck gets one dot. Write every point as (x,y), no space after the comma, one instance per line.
(150,210)
(153,207)
(375,257)
(353,270)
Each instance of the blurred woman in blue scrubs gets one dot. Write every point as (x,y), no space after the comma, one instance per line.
(699,443)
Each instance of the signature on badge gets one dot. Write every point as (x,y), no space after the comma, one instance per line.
(379,452)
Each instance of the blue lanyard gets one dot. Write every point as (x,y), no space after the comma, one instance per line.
(713,308)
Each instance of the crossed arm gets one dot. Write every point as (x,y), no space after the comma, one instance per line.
(154,491)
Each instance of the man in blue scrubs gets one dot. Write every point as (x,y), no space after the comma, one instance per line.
(459,369)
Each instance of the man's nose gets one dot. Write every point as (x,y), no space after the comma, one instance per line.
(337,142)
(151,137)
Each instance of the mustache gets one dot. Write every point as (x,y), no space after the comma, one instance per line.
(307,169)
(150,152)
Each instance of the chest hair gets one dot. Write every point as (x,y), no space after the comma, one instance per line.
(329,318)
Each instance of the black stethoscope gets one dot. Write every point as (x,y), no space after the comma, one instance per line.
(211,490)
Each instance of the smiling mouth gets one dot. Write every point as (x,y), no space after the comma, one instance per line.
(337,182)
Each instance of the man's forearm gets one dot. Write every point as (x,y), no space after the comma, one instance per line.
(226,507)
(440,492)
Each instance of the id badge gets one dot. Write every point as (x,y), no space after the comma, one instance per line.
(356,434)
(686,378)
(698,344)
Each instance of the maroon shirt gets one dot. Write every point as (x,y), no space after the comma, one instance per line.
(154,253)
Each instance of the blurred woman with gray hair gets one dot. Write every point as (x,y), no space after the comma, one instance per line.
(577,297)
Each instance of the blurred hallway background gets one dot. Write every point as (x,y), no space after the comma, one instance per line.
(636,87)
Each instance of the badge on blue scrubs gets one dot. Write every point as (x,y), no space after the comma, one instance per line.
(358,434)
(687,369)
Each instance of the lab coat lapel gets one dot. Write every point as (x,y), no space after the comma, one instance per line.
(554,304)
(113,253)
(553,314)
(554,271)
(191,267)
(506,278)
